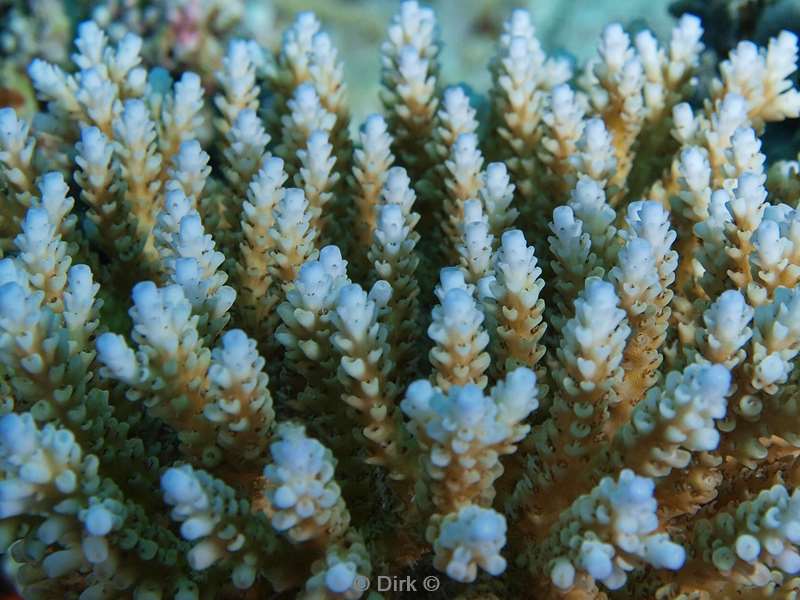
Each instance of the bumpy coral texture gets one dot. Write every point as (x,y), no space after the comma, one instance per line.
(250,351)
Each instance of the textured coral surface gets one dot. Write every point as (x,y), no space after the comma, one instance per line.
(536,344)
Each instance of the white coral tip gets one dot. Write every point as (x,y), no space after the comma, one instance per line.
(340,577)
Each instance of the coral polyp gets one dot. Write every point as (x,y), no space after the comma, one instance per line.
(541,343)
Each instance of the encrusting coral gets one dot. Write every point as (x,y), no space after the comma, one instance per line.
(244,354)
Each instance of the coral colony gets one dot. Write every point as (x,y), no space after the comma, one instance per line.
(548,354)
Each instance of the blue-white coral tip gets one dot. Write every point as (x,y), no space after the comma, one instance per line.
(128,48)
(352,297)
(514,245)
(203,555)
(637,260)
(273,168)
(62,562)
(305,95)
(750,185)
(418,398)
(294,454)
(189,79)
(191,154)
(187,270)
(466,143)
(118,358)
(330,257)
(562,574)
(397,179)
(17,434)
(390,219)
(731,303)
(89,30)
(411,64)
(458,304)
(197,527)
(95,549)
(473,211)
(295,451)
(179,486)
(521,381)
(312,279)
(247,120)
(451,278)
(381,293)
(600,294)
(662,553)
(340,577)
(146,297)
(632,489)
(191,227)
(321,44)
(455,98)
(420,388)
(788,561)
(644,214)
(12,302)
(305,20)
(40,71)
(284,497)
(484,287)
(98,520)
(375,125)
(595,559)
(37,222)
(51,530)
(518,48)
(134,112)
(733,108)
(695,167)
(94,144)
(595,134)
(682,115)
(236,342)
(713,380)
(561,95)
(520,20)
(564,219)
(487,526)
(10,272)
(318,145)
(79,277)
(468,403)
(747,547)
(588,192)
(496,179)
(293,201)
(176,202)
(9,126)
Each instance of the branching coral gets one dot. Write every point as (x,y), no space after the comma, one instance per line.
(604,282)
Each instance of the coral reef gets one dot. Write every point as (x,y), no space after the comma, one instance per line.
(548,350)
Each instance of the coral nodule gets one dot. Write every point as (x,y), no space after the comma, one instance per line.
(248,351)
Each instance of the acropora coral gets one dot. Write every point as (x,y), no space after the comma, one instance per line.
(249,349)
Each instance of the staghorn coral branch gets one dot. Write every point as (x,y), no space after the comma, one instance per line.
(459,355)
(519,308)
